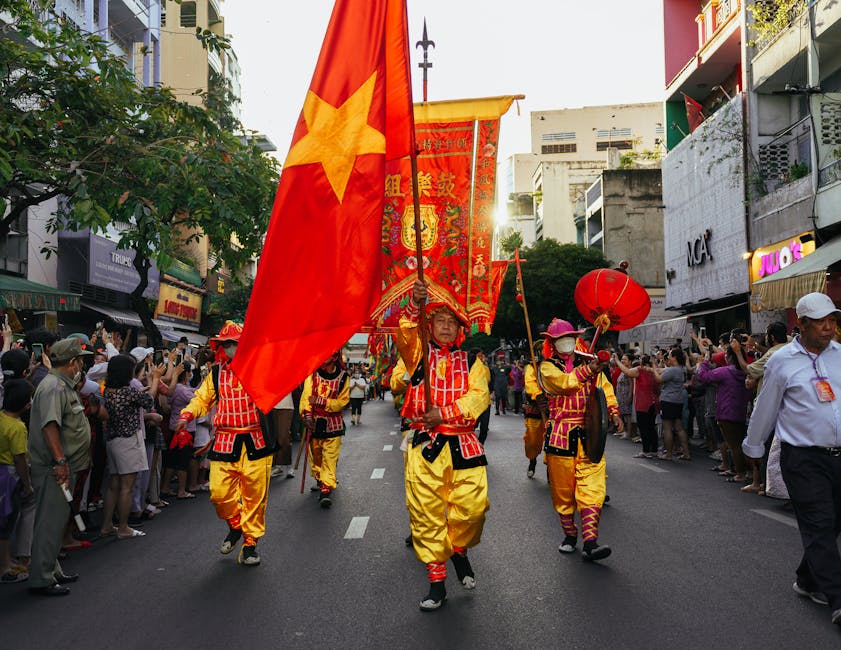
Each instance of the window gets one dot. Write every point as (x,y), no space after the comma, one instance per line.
(558,148)
(556,137)
(188,14)
(615,144)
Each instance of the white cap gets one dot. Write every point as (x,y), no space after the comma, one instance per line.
(140,353)
(816,306)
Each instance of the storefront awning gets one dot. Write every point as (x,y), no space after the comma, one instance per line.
(174,336)
(664,332)
(785,287)
(124,316)
(18,293)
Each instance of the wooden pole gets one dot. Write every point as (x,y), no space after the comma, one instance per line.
(419,254)
(522,293)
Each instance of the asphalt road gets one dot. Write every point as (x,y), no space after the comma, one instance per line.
(695,564)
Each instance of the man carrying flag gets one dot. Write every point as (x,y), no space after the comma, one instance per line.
(357,116)
(446,480)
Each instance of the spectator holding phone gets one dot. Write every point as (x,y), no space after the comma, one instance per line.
(358,390)
(39,342)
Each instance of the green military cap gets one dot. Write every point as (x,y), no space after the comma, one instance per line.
(67,349)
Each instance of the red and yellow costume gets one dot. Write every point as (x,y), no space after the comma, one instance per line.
(331,393)
(535,428)
(575,481)
(241,451)
(446,480)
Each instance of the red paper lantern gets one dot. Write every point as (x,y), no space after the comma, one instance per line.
(611,300)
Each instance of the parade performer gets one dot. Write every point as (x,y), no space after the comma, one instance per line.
(446,479)
(568,377)
(534,413)
(242,450)
(326,393)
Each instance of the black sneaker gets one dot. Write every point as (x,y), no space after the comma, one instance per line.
(836,617)
(230,541)
(248,556)
(814,596)
(316,487)
(324,500)
(464,571)
(532,465)
(436,597)
(592,552)
(568,545)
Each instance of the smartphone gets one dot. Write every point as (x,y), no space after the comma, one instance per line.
(159,357)
(38,351)
(179,358)
(702,332)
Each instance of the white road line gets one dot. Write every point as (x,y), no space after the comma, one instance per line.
(392,433)
(776,516)
(378,473)
(356,529)
(388,447)
(653,468)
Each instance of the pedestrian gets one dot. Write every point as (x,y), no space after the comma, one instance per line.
(575,481)
(799,402)
(358,391)
(517,384)
(281,420)
(646,401)
(15,481)
(59,448)
(446,479)
(672,398)
(241,456)
(500,374)
(326,394)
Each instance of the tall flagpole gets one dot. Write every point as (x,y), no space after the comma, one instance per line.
(521,298)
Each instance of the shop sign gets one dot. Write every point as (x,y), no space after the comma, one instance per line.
(770,259)
(111,268)
(698,250)
(177,305)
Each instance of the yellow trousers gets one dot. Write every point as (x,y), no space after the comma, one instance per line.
(577,482)
(446,507)
(324,458)
(241,489)
(533,437)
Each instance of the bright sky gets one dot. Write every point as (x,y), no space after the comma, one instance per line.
(558,53)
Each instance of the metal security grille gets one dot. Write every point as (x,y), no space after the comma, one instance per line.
(774,160)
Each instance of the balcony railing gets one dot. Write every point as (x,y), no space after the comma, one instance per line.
(788,156)
(830,173)
(714,14)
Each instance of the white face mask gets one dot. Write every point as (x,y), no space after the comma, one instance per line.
(565,345)
(230,350)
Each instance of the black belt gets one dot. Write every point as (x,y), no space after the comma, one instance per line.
(832,451)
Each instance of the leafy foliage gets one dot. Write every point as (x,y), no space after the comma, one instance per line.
(550,274)
(770,17)
(163,172)
(511,242)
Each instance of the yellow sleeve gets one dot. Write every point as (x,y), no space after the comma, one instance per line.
(409,344)
(478,398)
(338,404)
(558,382)
(530,382)
(304,403)
(203,399)
(398,384)
(609,395)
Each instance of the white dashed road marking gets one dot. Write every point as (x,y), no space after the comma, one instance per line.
(653,468)
(776,516)
(388,447)
(356,529)
(378,473)
(392,433)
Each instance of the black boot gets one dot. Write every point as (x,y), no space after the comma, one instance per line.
(324,499)
(464,571)
(436,597)
(409,542)
(230,541)
(568,545)
(532,466)
(592,551)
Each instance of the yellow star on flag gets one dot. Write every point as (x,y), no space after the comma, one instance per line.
(336,136)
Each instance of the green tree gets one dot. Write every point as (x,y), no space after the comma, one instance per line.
(550,273)
(511,242)
(230,306)
(162,171)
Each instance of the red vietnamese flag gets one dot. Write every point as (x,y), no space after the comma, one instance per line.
(694,112)
(319,275)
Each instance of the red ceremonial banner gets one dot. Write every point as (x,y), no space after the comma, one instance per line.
(457,144)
